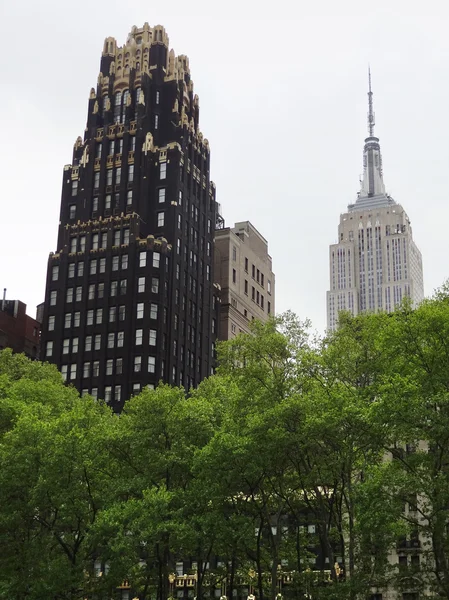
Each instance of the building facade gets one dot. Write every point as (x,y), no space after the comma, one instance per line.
(130,299)
(19,331)
(243,269)
(375,263)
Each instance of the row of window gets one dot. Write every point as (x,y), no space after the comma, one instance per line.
(255,273)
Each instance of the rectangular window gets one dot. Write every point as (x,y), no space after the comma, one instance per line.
(142,259)
(54,273)
(82,243)
(90,317)
(156,259)
(98,316)
(53,297)
(80,269)
(161,195)
(155,285)
(75,343)
(72,211)
(107,202)
(262,278)
(117,237)
(91,292)
(157,96)
(129,197)
(109,177)
(97,342)
(64,369)
(179,221)
(126,236)
(111,339)
(97,180)
(112,314)
(119,366)
(152,339)
(69,295)
(258,275)
(131,173)
(269,308)
(120,339)
(107,392)
(163,171)
(117,393)
(88,343)
(151,364)
(78,294)
(51,323)
(73,371)
(94,205)
(160,219)
(137,364)
(156,121)
(100,293)
(125,261)
(139,314)
(253,268)
(95,238)
(139,337)
(234,276)
(74,187)
(109,367)
(234,253)
(121,313)
(86,369)
(114,288)
(246,286)
(73,244)
(180,197)
(95,369)
(104,240)
(269,286)
(71,270)
(115,263)
(76,319)
(153,311)
(123,285)
(94,393)
(141,285)
(49,349)
(102,265)
(253,293)
(93,266)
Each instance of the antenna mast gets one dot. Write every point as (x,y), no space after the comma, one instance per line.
(371,120)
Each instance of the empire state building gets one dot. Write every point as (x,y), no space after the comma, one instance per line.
(375,264)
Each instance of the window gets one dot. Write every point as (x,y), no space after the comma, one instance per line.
(262,277)
(75,343)
(49,349)
(90,317)
(125,261)
(152,339)
(234,276)
(153,311)
(139,310)
(93,266)
(95,237)
(97,342)
(121,313)
(73,243)
(107,202)
(74,187)
(129,197)
(156,121)
(137,364)
(157,96)
(262,300)
(112,314)
(102,265)
(109,367)
(258,275)
(131,173)
(98,316)
(80,269)
(114,288)
(253,293)
(136,388)
(139,337)
(161,195)
(86,369)
(91,292)
(180,197)
(246,286)
(269,286)
(109,177)
(73,371)
(156,259)
(119,366)
(71,270)
(207,272)
(163,171)
(234,253)
(253,271)
(233,329)
(69,295)
(64,369)
(76,319)
(107,393)
(179,221)
(142,259)
(72,211)
(79,293)
(115,263)
(53,297)
(209,224)
(88,343)
(117,238)
(141,285)
(120,339)
(155,285)
(82,243)
(151,364)
(100,293)
(54,273)
(95,369)
(51,323)
(94,393)
(97,180)
(118,393)
(160,219)
(111,340)
(178,246)
(123,285)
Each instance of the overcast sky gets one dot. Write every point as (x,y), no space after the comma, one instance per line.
(282,89)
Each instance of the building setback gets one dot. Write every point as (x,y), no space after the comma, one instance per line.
(130,297)
(243,269)
(19,331)
(375,264)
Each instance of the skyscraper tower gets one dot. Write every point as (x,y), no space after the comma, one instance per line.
(375,263)
(130,296)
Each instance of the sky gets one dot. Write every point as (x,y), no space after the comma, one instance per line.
(283,102)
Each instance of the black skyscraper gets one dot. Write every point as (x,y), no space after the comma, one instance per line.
(130,295)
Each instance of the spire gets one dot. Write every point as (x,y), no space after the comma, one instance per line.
(372,183)
(371,119)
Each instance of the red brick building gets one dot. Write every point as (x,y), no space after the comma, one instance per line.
(18,330)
